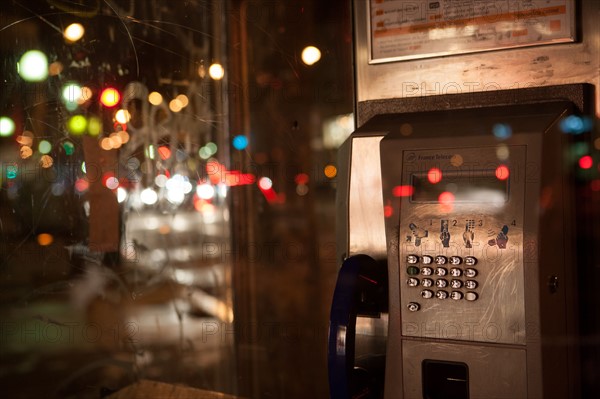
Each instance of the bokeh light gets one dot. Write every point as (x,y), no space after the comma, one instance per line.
(44,147)
(81,185)
(183,100)
(110,97)
(446,198)
(33,66)
(155,98)
(45,239)
(502,172)
(216,71)
(403,191)
(311,55)
(574,124)
(74,32)
(7,126)
(25,152)
(175,105)
(164,152)
(265,183)
(434,175)
(68,147)
(502,131)
(149,196)
(77,125)
(121,195)
(72,93)
(586,162)
(46,161)
(330,171)
(205,191)
(94,126)
(240,142)
(122,116)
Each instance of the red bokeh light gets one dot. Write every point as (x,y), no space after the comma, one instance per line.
(502,172)
(586,162)
(434,175)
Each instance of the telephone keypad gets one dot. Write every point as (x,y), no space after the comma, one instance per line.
(456,295)
(441,260)
(455,260)
(412,259)
(456,284)
(471,284)
(470,273)
(470,261)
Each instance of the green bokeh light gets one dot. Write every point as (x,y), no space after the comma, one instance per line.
(33,66)
(77,124)
(7,126)
(44,147)
(68,147)
(94,126)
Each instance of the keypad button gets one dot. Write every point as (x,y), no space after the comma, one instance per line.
(441,294)
(412,282)
(427,271)
(456,284)
(441,283)
(412,271)
(440,271)
(427,282)
(455,272)
(470,261)
(413,306)
(426,260)
(455,260)
(441,260)
(427,294)
(471,296)
(471,284)
(456,295)
(412,259)
(470,273)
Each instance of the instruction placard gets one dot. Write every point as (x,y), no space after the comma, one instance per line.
(403,29)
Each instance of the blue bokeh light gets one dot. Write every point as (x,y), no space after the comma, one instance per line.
(240,142)
(502,131)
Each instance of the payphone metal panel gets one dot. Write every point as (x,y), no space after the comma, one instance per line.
(462,254)
(475,291)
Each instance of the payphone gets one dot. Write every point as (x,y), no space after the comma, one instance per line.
(485,231)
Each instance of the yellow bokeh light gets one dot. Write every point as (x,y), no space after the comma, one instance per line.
(175,105)
(115,140)
(155,98)
(106,144)
(45,239)
(25,152)
(122,116)
(216,71)
(330,171)
(86,94)
(74,32)
(46,161)
(123,136)
(55,68)
(311,55)
(183,99)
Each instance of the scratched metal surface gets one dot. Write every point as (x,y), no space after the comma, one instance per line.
(494,70)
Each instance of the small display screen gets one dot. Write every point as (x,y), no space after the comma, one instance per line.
(484,186)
